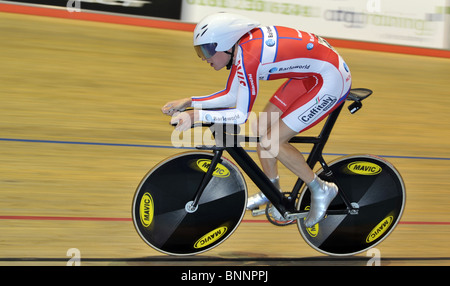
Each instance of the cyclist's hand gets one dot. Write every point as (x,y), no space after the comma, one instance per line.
(172,107)
(183,120)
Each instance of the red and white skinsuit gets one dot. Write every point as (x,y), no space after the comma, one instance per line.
(318,79)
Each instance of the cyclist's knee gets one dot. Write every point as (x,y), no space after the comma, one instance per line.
(264,142)
(270,144)
(254,127)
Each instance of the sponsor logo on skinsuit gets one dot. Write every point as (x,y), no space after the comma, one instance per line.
(322,105)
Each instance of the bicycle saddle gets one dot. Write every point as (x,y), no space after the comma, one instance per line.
(358,94)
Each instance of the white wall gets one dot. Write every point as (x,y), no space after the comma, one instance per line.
(416,23)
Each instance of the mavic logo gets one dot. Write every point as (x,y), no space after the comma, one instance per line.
(210,237)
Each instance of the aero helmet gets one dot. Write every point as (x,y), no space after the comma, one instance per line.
(219,32)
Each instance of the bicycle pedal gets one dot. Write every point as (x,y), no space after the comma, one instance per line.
(258,212)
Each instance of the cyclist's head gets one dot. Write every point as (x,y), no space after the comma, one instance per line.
(219,32)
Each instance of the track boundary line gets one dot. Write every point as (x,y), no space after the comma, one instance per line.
(68,218)
(219,259)
(187,148)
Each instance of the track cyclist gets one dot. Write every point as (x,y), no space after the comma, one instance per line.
(316,81)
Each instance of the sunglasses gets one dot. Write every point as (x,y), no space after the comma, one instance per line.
(206,51)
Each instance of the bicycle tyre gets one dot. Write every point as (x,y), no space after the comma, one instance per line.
(378,189)
(159,208)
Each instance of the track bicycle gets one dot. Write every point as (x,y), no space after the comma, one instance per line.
(192,202)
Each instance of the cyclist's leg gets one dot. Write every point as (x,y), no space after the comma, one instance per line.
(305,111)
(287,154)
(322,193)
(270,115)
(276,134)
(286,95)
(282,98)
(329,92)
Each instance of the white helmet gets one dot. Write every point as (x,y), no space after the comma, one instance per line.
(219,32)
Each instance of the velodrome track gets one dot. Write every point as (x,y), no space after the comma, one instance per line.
(80,125)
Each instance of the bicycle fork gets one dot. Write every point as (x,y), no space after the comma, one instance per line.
(192,206)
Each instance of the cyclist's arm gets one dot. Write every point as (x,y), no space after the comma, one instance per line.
(222,99)
(241,91)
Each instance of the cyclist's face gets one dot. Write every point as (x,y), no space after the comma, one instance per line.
(219,60)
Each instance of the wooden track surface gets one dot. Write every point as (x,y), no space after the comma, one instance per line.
(80,125)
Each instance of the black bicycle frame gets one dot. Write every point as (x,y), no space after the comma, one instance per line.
(284,204)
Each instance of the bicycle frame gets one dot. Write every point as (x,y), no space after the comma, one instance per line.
(284,204)
(174,218)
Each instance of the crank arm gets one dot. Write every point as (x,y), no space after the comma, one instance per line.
(294,216)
